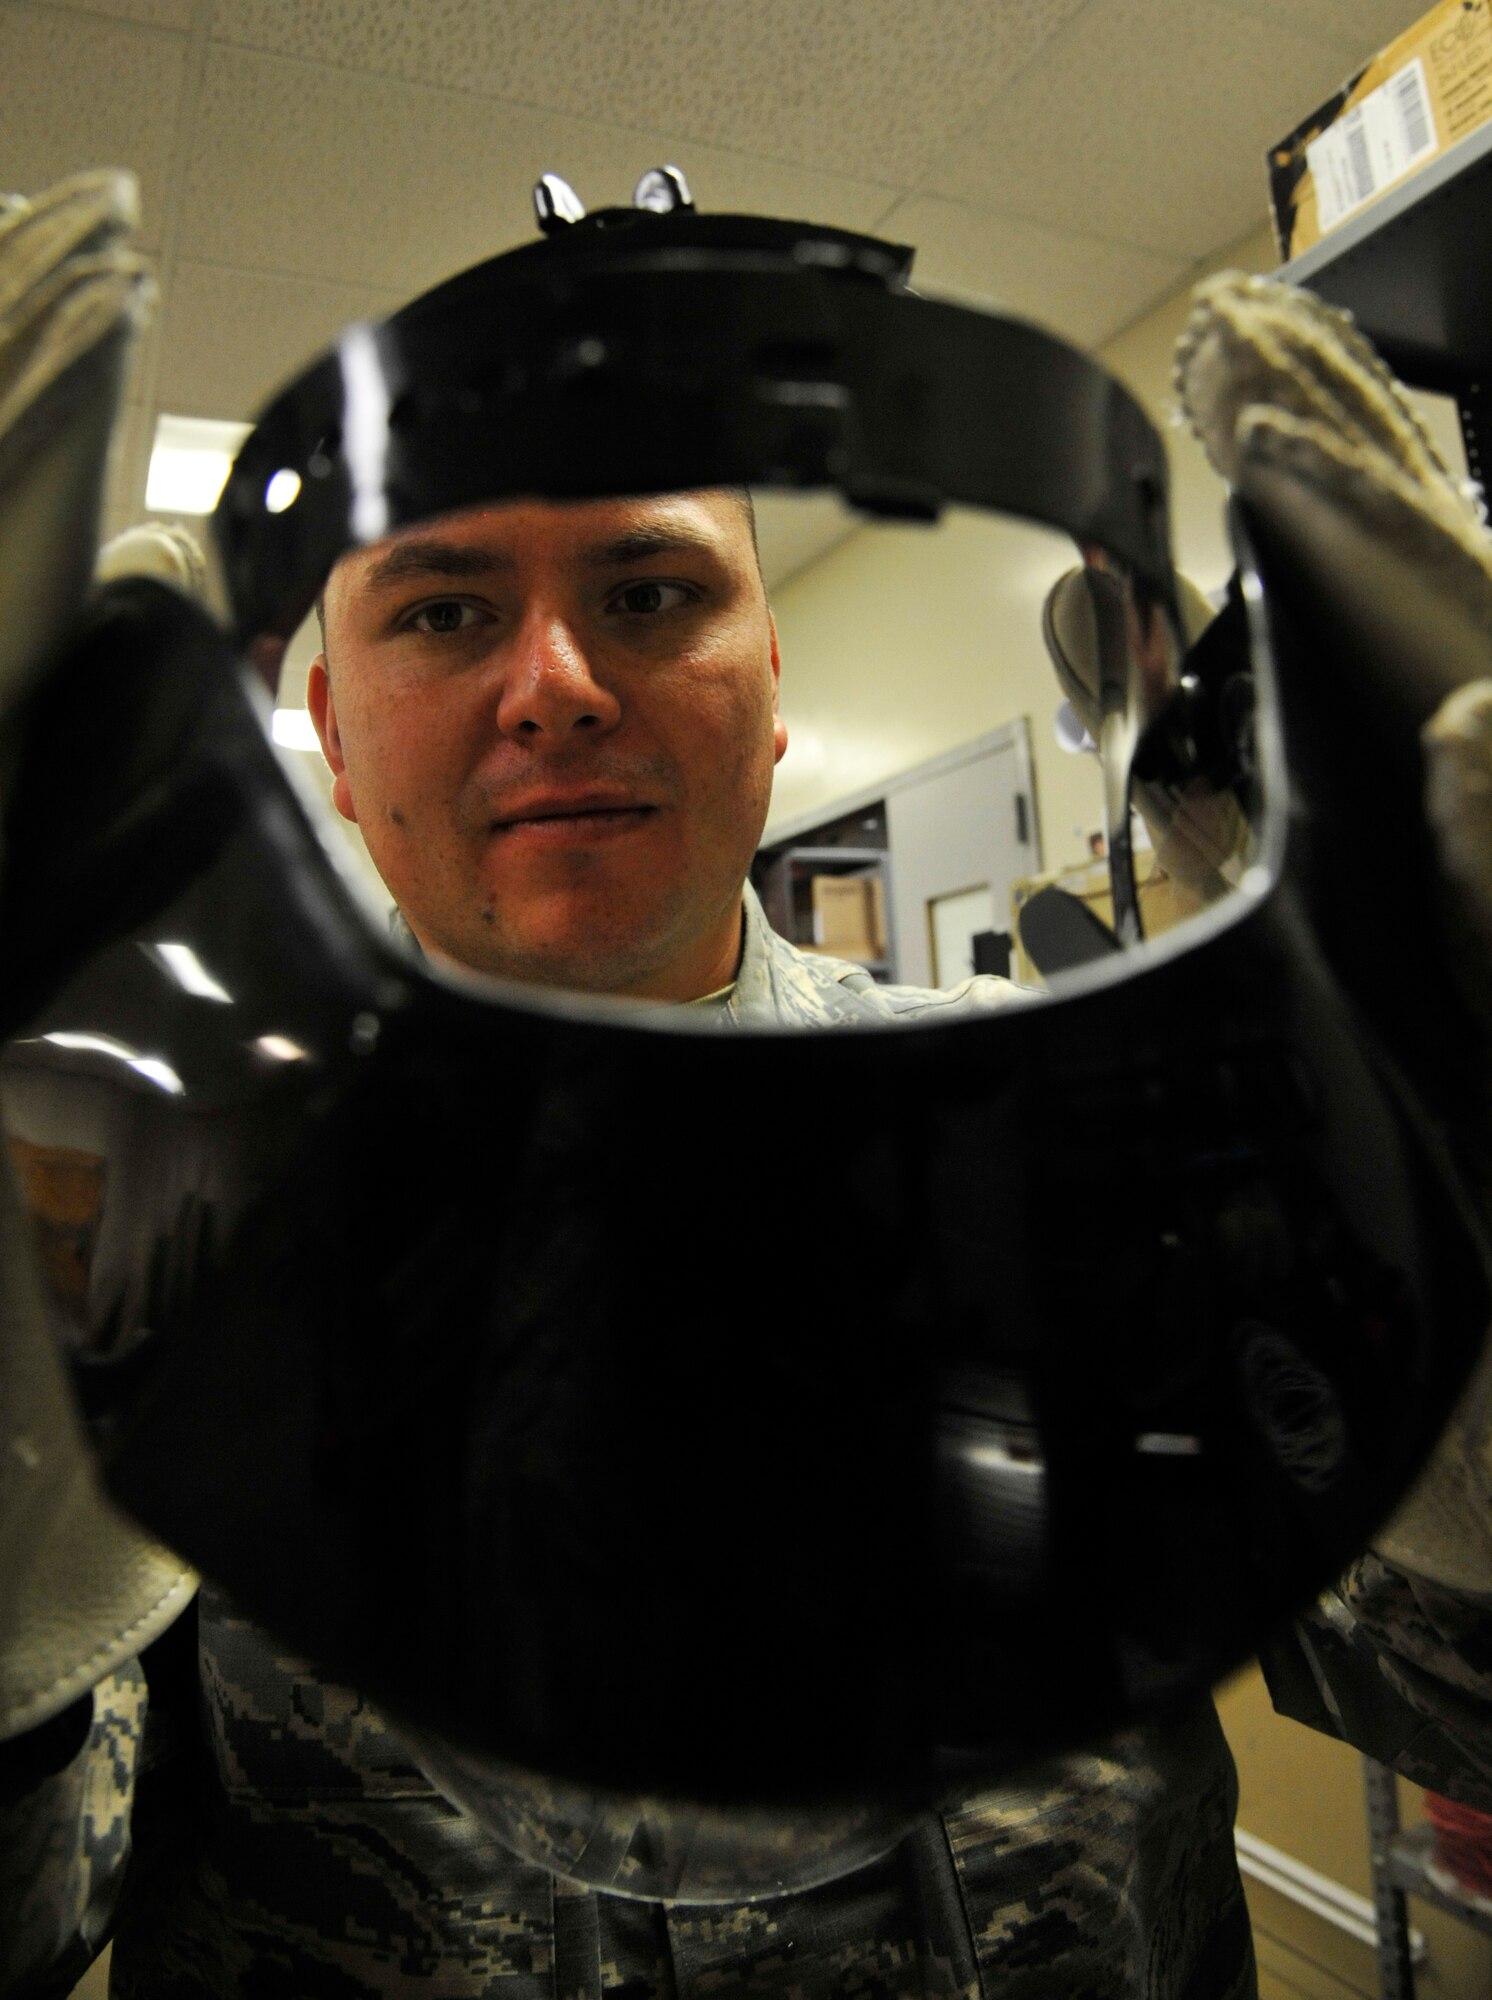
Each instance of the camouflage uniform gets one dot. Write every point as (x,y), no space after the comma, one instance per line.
(299,1852)
(1400,1667)
(779,986)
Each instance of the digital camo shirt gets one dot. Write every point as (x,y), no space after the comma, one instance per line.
(282,1843)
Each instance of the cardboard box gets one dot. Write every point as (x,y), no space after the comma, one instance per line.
(848,916)
(877,889)
(1400,111)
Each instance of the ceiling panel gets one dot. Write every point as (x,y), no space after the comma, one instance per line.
(365,180)
(1080,286)
(85,92)
(1361,27)
(177,14)
(1066,160)
(1126,129)
(873,90)
(230,338)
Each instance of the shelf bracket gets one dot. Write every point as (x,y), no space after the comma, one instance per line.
(1474,407)
(1395,1968)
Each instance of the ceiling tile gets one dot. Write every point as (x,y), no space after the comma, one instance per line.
(1123,128)
(84,92)
(874,90)
(299,168)
(177,14)
(1079,286)
(1360,27)
(277,325)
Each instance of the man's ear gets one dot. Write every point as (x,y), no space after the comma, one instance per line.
(779,727)
(323,708)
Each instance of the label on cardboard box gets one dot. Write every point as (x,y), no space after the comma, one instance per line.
(1426,90)
(1380,139)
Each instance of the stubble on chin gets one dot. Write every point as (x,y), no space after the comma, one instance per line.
(574,955)
(583,941)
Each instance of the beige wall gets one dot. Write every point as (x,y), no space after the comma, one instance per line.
(1303,1793)
(904,642)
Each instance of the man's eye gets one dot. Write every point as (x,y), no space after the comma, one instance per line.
(445,614)
(646,600)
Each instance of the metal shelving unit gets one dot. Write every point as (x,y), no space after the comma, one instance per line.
(1403,1864)
(784,869)
(1409,1865)
(1414,268)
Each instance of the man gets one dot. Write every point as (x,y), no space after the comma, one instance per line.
(556,726)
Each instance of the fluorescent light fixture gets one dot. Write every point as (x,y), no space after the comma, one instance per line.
(189,462)
(99,1045)
(159,1073)
(280,1048)
(995,1457)
(365,430)
(1169,1444)
(294,729)
(152,1068)
(190,974)
(282,491)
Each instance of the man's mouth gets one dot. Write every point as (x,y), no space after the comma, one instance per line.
(558,820)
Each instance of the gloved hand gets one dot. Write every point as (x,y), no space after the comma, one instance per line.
(81,1588)
(1271,378)
(1303,420)
(72,293)
(162,549)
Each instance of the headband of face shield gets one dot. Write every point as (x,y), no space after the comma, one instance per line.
(1173,1281)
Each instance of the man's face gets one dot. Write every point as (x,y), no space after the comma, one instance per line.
(556,726)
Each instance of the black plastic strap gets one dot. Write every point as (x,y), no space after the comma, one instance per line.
(687,352)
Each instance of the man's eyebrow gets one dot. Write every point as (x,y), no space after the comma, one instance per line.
(637,544)
(430,555)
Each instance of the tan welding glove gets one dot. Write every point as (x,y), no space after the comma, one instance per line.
(72,293)
(1303,420)
(81,1587)
(162,549)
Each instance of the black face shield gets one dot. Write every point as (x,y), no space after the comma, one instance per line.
(434,1345)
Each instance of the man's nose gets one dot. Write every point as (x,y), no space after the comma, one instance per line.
(548,685)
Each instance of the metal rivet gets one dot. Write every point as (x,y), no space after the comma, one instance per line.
(556,203)
(662,191)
